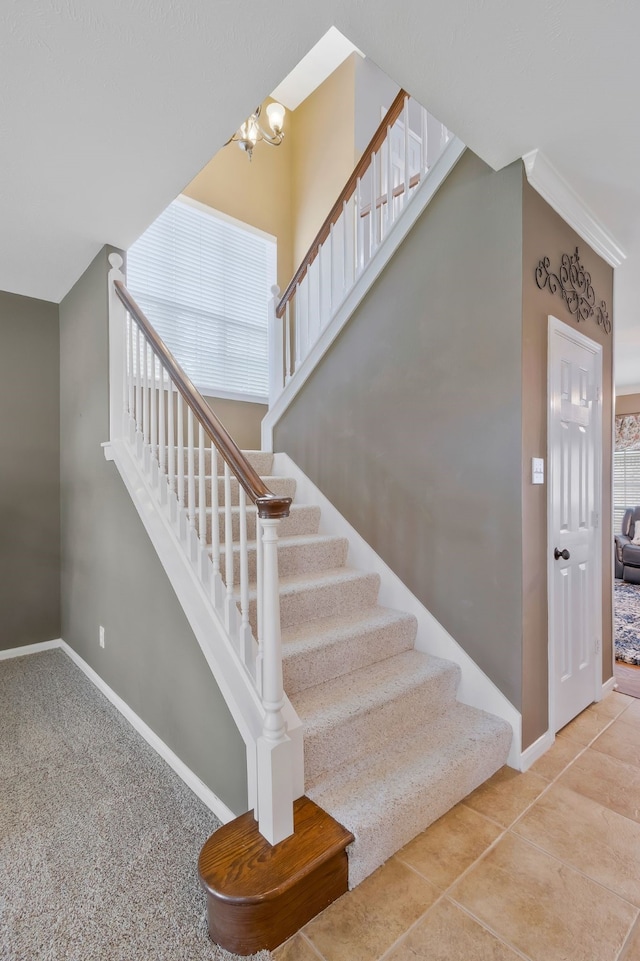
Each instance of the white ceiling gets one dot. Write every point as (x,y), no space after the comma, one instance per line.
(107,110)
(319,63)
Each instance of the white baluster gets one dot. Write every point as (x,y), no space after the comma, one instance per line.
(171,439)
(138,377)
(274,753)
(407,172)
(202,487)
(389,181)
(260,600)
(191,482)
(245,638)
(318,261)
(287,339)
(145,398)
(215,531)
(374,204)
(358,230)
(297,325)
(330,255)
(162,433)
(424,154)
(180,448)
(345,249)
(230,607)
(307,284)
(154,405)
(132,378)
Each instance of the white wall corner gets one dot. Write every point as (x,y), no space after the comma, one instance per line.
(560,195)
(539,747)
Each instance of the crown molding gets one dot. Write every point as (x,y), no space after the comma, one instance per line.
(627,389)
(551,185)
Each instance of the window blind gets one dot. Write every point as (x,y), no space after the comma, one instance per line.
(626,483)
(204,282)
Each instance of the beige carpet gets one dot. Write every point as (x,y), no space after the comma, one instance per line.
(99,839)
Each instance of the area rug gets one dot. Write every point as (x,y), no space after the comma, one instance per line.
(627,620)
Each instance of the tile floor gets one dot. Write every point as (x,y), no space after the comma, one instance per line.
(543,866)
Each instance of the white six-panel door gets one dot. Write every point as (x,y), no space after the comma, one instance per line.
(574,548)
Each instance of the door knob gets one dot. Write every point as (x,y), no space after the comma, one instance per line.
(558,554)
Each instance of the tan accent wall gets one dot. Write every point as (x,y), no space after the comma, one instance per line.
(242,419)
(323,135)
(256,192)
(628,404)
(545,233)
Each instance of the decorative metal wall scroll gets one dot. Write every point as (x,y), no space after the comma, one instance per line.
(574,284)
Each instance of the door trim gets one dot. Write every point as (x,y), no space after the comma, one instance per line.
(558,327)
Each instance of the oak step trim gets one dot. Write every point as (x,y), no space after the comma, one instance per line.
(258,895)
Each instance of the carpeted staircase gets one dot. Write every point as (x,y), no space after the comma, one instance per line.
(388,748)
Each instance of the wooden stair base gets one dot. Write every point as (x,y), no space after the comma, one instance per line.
(258,895)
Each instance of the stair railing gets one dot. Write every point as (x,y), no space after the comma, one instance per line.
(400,154)
(180,445)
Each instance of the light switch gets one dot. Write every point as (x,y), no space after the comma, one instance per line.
(537,470)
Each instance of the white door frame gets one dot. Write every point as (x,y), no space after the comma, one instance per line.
(559,327)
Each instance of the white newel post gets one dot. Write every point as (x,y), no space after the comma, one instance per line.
(275,790)
(276,348)
(118,387)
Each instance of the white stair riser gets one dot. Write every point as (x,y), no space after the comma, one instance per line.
(303,670)
(301,520)
(365,732)
(295,558)
(282,486)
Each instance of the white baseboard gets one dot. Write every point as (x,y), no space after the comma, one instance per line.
(199,788)
(30,649)
(531,754)
(609,686)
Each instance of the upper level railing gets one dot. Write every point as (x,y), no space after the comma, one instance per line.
(202,480)
(399,156)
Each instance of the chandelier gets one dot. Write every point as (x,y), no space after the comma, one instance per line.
(251,133)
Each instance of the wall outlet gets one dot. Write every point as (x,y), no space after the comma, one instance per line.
(101,636)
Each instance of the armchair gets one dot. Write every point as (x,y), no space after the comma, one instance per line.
(627,554)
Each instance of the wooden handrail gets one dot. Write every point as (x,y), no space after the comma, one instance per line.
(269,505)
(362,166)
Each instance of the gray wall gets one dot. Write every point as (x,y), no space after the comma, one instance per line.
(412,423)
(30,472)
(111,575)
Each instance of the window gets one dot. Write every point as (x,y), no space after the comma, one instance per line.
(626,483)
(204,281)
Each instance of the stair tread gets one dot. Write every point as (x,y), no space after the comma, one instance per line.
(411,782)
(331,629)
(299,583)
(292,540)
(333,702)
